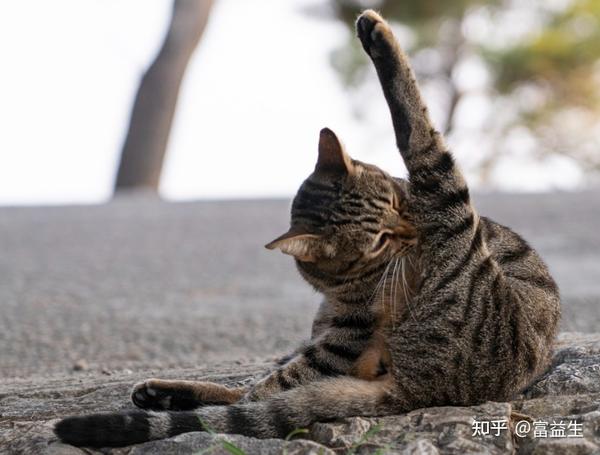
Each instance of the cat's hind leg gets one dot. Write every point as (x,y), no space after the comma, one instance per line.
(179,395)
(277,416)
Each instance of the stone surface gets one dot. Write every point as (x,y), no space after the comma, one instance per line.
(575,369)
(569,392)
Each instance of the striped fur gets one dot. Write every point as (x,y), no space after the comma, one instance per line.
(276,416)
(425,302)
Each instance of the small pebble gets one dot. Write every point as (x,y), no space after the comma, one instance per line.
(81,365)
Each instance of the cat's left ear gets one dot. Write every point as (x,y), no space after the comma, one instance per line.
(332,156)
(302,246)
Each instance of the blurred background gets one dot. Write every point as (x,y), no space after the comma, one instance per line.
(225,99)
(215,107)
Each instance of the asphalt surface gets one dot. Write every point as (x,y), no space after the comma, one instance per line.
(142,283)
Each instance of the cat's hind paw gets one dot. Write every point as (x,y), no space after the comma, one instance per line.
(375,34)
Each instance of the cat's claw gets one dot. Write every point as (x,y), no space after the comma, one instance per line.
(374,33)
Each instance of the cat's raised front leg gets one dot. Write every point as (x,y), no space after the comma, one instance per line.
(412,126)
(161,394)
(439,199)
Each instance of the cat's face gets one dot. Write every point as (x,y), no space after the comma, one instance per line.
(348,218)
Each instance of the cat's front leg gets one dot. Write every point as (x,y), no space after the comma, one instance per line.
(376,37)
(292,374)
(179,395)
(439,198)
(412,126)
(337,352)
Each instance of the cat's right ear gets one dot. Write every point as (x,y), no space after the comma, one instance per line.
(333,159)
(302,246)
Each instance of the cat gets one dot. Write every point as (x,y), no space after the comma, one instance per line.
(427,303)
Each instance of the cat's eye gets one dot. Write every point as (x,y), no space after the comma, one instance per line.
(381,242)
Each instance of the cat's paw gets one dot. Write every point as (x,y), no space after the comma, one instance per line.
(374,33)
(150,395)
(158,394)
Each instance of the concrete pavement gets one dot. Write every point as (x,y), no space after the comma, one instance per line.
(142,283)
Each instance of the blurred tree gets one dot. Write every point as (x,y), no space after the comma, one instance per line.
(433,25)
(558,66)
(541,58)
(152,114)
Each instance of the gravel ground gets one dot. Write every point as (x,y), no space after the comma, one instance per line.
(142,283)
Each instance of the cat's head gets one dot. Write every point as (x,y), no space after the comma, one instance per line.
(348,218)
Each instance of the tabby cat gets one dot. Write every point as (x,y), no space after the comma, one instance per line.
(426,302)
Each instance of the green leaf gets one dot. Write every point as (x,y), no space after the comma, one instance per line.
(293,433)
(232,448)
(297,431)
(206,427)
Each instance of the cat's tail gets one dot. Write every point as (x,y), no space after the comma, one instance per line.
(277,416)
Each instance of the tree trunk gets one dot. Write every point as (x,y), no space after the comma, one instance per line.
(152,114)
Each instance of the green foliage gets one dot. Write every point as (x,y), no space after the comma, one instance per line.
(296,432)
(423,18)
(228,446)
(558,59)
(235,450)
(561,56)
(232,448)
(292,434)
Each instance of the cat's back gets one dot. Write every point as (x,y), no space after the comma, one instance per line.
(518,260)
(525,277)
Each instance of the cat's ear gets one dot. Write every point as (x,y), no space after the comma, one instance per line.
(302,246)
(332,156)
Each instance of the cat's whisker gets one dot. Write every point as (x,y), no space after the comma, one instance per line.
(394,292)
(392,296)
(400,273)
(384,290)
(380,282)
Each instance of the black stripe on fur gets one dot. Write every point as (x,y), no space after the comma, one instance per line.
(239,422)
(341,351)
(185,422)
(354,321)
(104,430)
(442,165)
(319,365)
(284,383)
